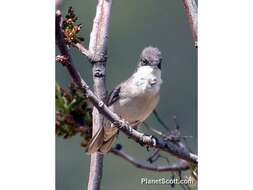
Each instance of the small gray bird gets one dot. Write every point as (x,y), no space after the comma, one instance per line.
(133,100)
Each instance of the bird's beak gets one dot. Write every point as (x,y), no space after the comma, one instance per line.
(153,81)
(159,65)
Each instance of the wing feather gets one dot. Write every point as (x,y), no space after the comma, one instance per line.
(113,96)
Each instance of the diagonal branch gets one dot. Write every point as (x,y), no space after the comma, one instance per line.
(141,138)
(180,166)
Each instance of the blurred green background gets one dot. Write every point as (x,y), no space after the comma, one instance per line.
(134,25)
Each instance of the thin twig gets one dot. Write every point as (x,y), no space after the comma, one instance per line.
(181,166)
(160,120)
(153,130)
(83,50)
(154,156)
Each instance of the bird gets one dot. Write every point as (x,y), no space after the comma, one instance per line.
(133,100)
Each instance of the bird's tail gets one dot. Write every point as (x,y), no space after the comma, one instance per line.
(103,140)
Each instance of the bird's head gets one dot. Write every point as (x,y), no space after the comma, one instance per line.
(150,56)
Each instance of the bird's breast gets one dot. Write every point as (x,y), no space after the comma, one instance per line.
(136,108)
(139,95)
(146,80)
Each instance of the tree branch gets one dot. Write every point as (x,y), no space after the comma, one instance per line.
(191,11)
(180,166)
(58,4)
(83,50)
(160,120)
(97,55)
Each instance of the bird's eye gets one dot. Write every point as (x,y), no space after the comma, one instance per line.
(144,62)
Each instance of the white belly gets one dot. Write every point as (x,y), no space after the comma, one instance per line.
(135,109)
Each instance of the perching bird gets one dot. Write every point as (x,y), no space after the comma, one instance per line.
(133,100)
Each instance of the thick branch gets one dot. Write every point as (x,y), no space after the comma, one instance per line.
(165,145)
(192,15)
(181,166)
(58,4)
(99,34)
(97,55)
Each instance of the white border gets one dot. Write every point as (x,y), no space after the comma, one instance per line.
(225,94)
(27,95)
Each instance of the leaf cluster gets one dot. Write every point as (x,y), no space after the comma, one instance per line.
(73,113)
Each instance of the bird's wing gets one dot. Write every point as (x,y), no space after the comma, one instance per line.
(113,96)
(119,91)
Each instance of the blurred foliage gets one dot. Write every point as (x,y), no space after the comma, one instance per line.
(71,28)
(73,113)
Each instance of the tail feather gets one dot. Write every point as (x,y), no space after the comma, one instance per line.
(103,140)
(106,146)
(96,142)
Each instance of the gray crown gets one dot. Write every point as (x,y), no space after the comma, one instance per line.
(150,56)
